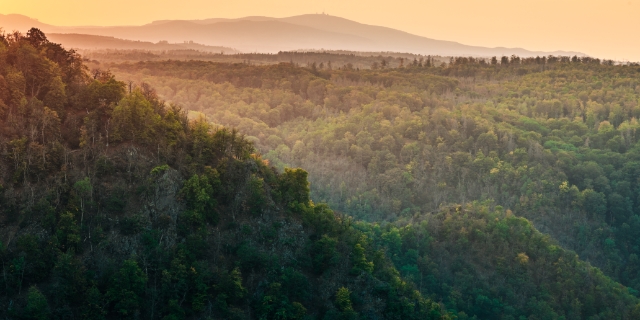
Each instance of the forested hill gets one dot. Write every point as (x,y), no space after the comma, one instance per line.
(552,138)
(114,205)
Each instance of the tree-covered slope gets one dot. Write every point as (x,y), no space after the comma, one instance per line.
(490,264)
(554,139)
(114,205)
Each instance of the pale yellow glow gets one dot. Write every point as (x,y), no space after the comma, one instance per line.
(606,29)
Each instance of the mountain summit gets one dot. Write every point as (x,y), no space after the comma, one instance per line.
(265,34)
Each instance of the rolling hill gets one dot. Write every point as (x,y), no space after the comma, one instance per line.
(93,42)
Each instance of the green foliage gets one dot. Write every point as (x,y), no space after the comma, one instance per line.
(104,167)
(230,285)
(199,194)
(594,202)
(360,263)
(126,289)
(83,191)
(383,143)
(462,239)
(159,169)
(250,258)
(116,201)
(132,225)
(93,305)
(134,119)
(87,184)
(324,253)
(68,274)
(104,91)
(174,311)
(294,188)
(68,232)
(274,304)
(343,301)
(257,195)
(37,307)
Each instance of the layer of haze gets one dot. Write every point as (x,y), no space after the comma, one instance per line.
(604,29)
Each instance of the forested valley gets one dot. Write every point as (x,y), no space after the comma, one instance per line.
(101,59)
(504,188)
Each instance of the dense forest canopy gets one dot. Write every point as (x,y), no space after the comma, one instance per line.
(322,59)
(113,204)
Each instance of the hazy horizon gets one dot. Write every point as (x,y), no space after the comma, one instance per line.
(595,28)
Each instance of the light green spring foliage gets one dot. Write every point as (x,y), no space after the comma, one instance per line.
(134,119)
(343,300)
(123,208)
(386,144)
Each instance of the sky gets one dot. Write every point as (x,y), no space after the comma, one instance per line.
(605,29)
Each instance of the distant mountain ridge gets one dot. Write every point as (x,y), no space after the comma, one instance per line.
(93,42)
(270,35)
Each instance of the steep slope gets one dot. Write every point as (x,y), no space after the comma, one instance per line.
(488,263)
(113,205)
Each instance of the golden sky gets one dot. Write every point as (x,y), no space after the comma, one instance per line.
(606,29)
